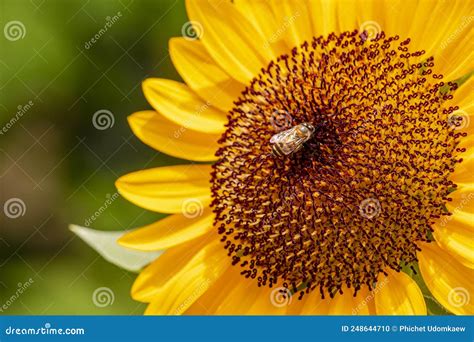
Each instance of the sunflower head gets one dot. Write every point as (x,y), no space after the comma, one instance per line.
(378,187)
(363,191)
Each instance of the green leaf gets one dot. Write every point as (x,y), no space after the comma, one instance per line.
(105,243)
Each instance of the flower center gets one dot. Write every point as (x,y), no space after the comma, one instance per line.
(359,194)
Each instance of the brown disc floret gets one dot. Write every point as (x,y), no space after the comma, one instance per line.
(360,195)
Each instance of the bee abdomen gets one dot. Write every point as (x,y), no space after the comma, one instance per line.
(277,150)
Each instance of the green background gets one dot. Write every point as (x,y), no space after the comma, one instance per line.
(56,161)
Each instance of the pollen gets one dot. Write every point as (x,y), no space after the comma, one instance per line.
(361,194)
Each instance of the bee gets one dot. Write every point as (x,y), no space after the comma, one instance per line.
(291,140)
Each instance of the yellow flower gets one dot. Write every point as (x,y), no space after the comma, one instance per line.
(335,227)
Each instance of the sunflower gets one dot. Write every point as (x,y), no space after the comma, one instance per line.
(372,214)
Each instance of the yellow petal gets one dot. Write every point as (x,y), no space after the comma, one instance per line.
(170,189)
(167,137)
(440,28)
(230,38)
(324,17)
(455,58)
(341,304)
(232,294)
(466,143)
(168,232)
(191,281)
(463,171)
(347,15)
(464,98)
(455,234)
(463,197)
(448,280)
(203,75)
(435,21)
(271,301)
(181,105)
(399,296)
(295,20)
(155,276)
(448,36)
(260,14)
(315,305)
(347,304)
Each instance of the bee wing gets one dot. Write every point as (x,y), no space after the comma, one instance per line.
(279,137)
(295,144)
(291,140)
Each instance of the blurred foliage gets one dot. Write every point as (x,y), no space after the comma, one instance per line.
(55,160)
